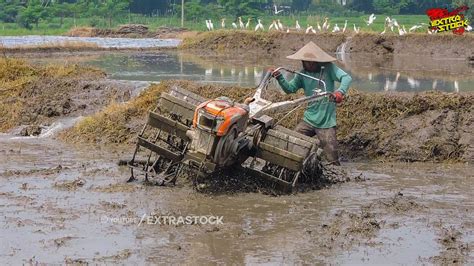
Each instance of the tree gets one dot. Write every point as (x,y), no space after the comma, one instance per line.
(9,10)
(32,13)
(113,8)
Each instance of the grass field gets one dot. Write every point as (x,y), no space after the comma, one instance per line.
(53,27)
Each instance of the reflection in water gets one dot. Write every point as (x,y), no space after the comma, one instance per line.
(369,73)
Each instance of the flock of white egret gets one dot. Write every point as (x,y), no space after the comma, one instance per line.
(277,25)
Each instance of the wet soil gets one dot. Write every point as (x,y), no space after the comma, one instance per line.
(35,96)
(66,204)
(283,44)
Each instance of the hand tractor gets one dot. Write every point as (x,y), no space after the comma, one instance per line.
(208,135)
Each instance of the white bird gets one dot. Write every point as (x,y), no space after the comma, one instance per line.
(401,31)
(372,17)
(241,24)
(298,27)
(276,11)
(247,25)
(287,30)
(356,30)
(391,85)
(336,28)
(208,25)
(395,23)
(414,28)
(319,26)
(390,23)
(456,86)
(310,29)
(211,25)
(325,24)
(223,23)
(234,25)
(280,26)
(435,83)
(345,26)
(469,28)
(413,82)
(273,25)
(259,26)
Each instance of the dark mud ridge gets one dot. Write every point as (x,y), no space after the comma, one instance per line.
(127,31)
(430,126)
(282,44)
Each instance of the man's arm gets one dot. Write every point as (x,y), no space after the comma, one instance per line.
(289,87)
(342,77)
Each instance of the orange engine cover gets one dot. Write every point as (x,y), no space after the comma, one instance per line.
(218,115)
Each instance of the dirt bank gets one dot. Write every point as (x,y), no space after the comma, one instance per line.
(39,95)
(282,44)
(430,126)
(129,31)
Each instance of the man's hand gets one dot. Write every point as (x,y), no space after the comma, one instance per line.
(275,73)
(248,100)
(336,97)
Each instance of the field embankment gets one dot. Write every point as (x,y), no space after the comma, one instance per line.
(34,95)
(431,126)
(282,44)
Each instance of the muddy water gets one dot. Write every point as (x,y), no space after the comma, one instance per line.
(70,204)
(370,73)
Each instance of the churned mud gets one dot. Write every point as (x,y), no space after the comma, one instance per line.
(65,204)
(429,126)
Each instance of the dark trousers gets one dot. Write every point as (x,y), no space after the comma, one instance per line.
(327,139)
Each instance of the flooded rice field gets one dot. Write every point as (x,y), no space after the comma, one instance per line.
(65,204)
(70,204)
(401,73)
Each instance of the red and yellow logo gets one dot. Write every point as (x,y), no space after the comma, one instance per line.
(442,20)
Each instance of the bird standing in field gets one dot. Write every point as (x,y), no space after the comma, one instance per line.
(356,30)
(297,27)
(280,26)
(211,25)
(336,28)
(241,24)
(326,24)
(234,25)
(309,29)
(318,26)
(223,23)
(345,26)
(371,20)
(247,25)
(259,25)
(208,25)
(273,26)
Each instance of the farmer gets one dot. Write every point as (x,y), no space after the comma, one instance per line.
(320,116)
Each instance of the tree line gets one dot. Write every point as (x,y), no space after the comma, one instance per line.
(29,13)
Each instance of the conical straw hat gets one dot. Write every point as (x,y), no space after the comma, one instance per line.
(311,52)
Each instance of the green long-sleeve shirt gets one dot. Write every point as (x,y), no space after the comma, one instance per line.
(322,113)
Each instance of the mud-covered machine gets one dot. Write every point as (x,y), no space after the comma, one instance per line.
(189,131)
